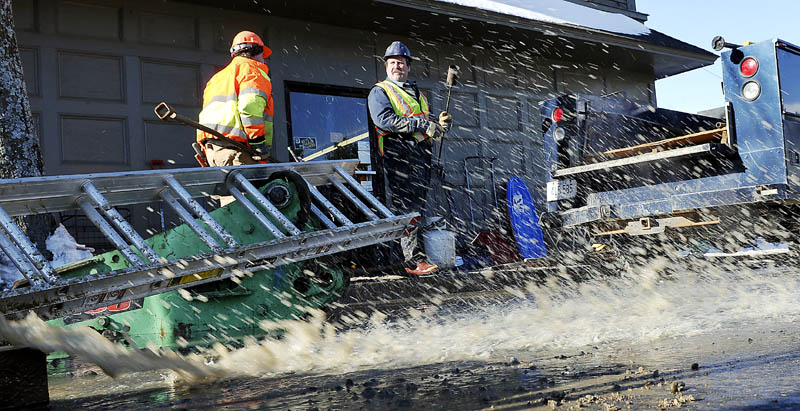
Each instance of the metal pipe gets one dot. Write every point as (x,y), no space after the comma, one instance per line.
(452,76)
(108,231)
(27,247)
(187,218)
(24,266)
(164,111)
(322,217)
(251,190)
(119,222)
(198,210)
(353,199)
(258,215)
(363,192)
(338,215)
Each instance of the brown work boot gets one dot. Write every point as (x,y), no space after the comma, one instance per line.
(423,268)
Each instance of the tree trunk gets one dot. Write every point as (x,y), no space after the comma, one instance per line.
(20,155)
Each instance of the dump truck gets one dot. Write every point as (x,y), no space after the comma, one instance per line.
(617,169)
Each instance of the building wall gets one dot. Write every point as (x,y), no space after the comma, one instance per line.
(95,70)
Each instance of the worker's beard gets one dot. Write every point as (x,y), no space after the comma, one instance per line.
(398,76)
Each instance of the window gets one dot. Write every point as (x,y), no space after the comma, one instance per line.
(321,116)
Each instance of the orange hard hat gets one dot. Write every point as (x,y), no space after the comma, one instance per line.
(248,37)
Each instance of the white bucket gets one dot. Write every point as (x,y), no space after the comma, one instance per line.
(440,246)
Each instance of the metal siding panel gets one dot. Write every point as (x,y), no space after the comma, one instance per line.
(464,109)
(170,143)
(168,30)
(634,88)
(93,140)
(503,113)
(88,20)
(580,83)
(500,74)
(30,65)
(177,83)
(24,15)
(90,76)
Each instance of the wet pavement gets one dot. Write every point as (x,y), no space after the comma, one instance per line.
(707,339)
(698,341)
(729,369)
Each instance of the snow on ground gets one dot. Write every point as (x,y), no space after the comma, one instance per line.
(559,12)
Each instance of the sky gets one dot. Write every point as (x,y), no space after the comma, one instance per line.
(697,22)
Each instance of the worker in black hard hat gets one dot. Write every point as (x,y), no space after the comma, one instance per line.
(404,139)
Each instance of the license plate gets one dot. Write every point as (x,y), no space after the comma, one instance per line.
(561,189)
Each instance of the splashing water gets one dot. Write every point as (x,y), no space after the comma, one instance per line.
(631,308)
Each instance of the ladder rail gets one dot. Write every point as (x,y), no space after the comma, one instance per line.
(51,194)
(322,217)
(363,192)
(338,215)
(257,214)
(24,266)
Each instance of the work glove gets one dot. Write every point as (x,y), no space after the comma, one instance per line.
(445,120)
(260,147)
(433,130)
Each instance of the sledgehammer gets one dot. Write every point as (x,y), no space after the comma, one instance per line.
(452,76)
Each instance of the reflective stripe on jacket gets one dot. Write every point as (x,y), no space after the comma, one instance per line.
(405,105)
(237,102)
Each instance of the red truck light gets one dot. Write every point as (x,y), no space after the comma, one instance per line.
(748,67)
(558,114)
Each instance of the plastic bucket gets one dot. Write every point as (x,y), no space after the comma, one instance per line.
(440,246)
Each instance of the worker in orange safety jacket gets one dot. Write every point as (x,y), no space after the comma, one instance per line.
(237,102)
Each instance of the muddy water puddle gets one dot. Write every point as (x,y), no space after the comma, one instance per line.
(703,341)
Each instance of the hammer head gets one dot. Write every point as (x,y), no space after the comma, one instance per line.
(452,75)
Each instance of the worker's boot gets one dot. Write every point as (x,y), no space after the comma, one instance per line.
(423,268)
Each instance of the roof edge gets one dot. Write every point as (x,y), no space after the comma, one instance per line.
(701,57)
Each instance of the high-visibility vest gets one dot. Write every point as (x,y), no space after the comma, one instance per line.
(405,105)
(237,102)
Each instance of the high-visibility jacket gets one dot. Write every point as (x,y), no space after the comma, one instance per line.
(237,102)
(404,104)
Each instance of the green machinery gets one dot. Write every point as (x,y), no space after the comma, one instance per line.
(269,255)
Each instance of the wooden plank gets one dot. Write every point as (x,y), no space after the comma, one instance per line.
(713,148)
(702,137)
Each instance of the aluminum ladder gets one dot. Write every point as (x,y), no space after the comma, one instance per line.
(97,195)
